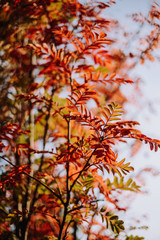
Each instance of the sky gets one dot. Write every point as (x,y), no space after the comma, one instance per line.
(145,206)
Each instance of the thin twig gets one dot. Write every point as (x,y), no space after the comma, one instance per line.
(37,180)
(83,169)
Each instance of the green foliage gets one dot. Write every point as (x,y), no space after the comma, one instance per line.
(120,184)
(114,223)
(133,238)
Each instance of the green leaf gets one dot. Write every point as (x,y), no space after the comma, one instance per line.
(129,182)
(112,226)
(114,218)
(108,214)
(121,183)
(115,181)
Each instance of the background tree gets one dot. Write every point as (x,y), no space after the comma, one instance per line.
(60,123)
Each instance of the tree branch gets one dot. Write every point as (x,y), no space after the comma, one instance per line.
(83,169)
(37,180)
